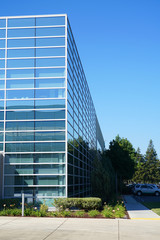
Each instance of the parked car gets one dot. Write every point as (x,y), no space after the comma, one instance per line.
(151,189)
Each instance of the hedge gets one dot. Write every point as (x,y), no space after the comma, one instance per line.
(9,203)
(80,203)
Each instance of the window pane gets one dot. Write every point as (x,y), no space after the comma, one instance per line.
(1,105)
(52,103)
(50,62)
(19,104)
(10,126)
(20,73)
(2,74)
(2,23)
(2,53)
(19,94)
(24,83)
(20,63)
(21,22)
(2,33)
(1,84)
(15,53)
(50,72)
(49,21)
(55,82)
(50,125)
(18,115)
(1,115)
(56,41)
(1,126)
(56,31)
(1,94)
(2,63)
(1,137)
(49,147)
(50,114)
(49,136)
(1,146)
(19,147)
(41,52)
(50,93)
(24,32)
(21,42)
(2,43)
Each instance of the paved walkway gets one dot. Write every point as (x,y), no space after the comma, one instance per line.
(29,228)
(138,211)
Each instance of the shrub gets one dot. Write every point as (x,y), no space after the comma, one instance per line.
(9,203)
(107,213)
(43,209)
(93,213)
(79,213)
(65,214)
(80,203)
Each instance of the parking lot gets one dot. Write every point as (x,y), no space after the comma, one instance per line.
(146,198)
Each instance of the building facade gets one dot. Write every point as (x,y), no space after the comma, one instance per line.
(49,132)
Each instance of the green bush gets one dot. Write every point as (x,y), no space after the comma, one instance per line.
(93,213)
(11,212)
(9,203)
(79,213)
(107,213)
(65,214)
(80,203)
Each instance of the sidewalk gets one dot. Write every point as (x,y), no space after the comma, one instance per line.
(138,211)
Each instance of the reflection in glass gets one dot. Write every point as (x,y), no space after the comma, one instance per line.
(51,103)
(49,21)
(15,53)
(56,41)
(50,62)
(21,22)
(28,42)
(20,83)
(2,63)
(20,63)
(55,31)
(50,93)
(21,32)
(19,94)
(19,115)
(2,33)
(1,105)
(1,84)
(50,72)
(2,23)
(43,52)
(50,82)
(20,104)
(2,43)
(2,74)
(20,73)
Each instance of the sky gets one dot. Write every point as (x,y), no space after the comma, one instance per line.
(119,45)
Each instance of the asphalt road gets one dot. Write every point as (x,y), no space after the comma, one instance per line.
(147,198)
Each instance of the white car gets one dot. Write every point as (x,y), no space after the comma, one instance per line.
(140,189)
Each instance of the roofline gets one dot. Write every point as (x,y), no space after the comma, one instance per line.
(32,16)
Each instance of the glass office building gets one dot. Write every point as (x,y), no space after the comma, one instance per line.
(49,132)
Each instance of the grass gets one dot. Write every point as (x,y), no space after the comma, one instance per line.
(154,206)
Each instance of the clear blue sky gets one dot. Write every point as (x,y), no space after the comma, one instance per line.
(119,45)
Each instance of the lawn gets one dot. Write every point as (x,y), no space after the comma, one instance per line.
(154,206)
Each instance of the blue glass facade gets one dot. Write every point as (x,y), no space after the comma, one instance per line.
(48,125)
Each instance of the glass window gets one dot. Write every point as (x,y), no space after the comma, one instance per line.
(50,82)
(50,125)
(15,53)
(10,126)
(1,84)
(18,115)
(1,94)
(20,73)
(56,41)
(2,74)
(49,136)
(2,23)
(1,115)
(19,94)
(1,146)
(50,72)
(50,93)
(55,31)
(19,104)
(28,42)
(20,83)
(49,147)
(2,63)
(2,53)
(2,33)
(1,105)
(21,22)
(1,137)
(50,114)
(2,43)
(1,126)
(49,21)
(20,63)
(21,32)
(19,147)
(41,52)
(51,103)
(50,62)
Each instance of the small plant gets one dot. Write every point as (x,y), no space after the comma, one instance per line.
(65,214)
(79,213)
(93,213)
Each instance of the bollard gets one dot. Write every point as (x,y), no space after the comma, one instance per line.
(22,204)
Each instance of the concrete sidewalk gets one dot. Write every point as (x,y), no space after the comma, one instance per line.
(138,211)
(29,228)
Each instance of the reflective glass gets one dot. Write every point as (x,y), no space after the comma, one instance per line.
(1,94)
(20,73)
(49,21)
(12,126)
(50,82)
(28,42)
(24,83)
(50,72)
(56,41)
(49,147)
(1,126)
(1,105)
(15,53)
(2,74)
(2,23)
(50,136)
(51,103)
(18,180)
(50,114)
(19,115)
(2,44)
(20,63)
(21,32)
(50,125)
(1,84)
(2,53)
(1,146)
(2,33)
(21,22)
(19,94)
(20,104)
(50,93)
(1,115)
(2,63)
(19,147)
(41,52)
(55,31)
(50,62)
(1,137)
